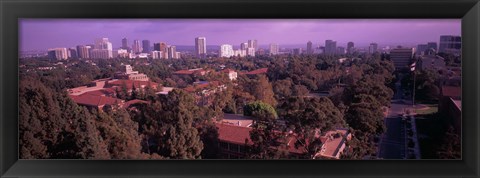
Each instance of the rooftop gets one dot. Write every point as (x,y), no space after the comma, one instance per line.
(234,134)
(94,100)
(130,83)
(452,91)
(201,85)
(237,119)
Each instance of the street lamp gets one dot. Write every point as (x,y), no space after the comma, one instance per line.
(412,68)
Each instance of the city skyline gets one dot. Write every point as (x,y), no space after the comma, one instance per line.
(41,34)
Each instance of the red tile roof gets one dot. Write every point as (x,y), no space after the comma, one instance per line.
(239,135)
(94,100)
(452,91)
(234,134)
(102,92)
(197,87)
(130,83)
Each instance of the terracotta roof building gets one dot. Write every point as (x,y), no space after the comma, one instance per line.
(234,141)
(130,83)
(197,71)
(95,101)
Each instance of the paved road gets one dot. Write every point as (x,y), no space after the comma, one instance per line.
(392,142)
(392,145)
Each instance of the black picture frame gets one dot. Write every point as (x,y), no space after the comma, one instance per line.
(11,11)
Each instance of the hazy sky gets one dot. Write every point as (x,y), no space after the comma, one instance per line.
(40,34)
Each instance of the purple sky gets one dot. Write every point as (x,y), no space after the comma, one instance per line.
(40,34)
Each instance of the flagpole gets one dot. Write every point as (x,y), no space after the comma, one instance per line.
(412,68)
(413,98)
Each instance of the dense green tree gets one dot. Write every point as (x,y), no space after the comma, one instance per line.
(263,112)
(364,115)
(168,126)
(450,148)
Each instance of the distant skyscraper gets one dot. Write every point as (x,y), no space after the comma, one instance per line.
(83,52)
(373,48)
(273,49)
(309,47)
(432,45)
(330,47)
(58,53)
(251,52)
(401,57)
(450,44)
(172,52)
(350,47)
(123,53)
(104,44)
(156,54)
(201,47)
(161,47)
(243,46)
(72,53)
(136,47)
(146,46)
(101,54)
(124,43)
(226,50)
(421,48)
(340,50)
(253,44)
(297,51)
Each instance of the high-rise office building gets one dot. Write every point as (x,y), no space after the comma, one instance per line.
(273,49)
(201,47)
(421,48)
(156,54)
(125,43)
(401,57)
(309,47)
(244,46)
(241,53)
(297,51)
(123,53)
(146,46)
(58,53)
(161,47)
(350,47)
(101,54)
(136,47)
(373,48)
(330,47)
(226,50)
(251,52)
(83,52)
(104,44)
(432,45)
(450,44)
(340,50)
(172,52)
(72,53)
(253,44)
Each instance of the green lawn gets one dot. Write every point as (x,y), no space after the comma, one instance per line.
(433,108)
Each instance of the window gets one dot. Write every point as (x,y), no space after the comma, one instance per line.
(241,149)
(224,145)
(233,147)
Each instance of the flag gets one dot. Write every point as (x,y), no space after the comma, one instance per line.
(412,67)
